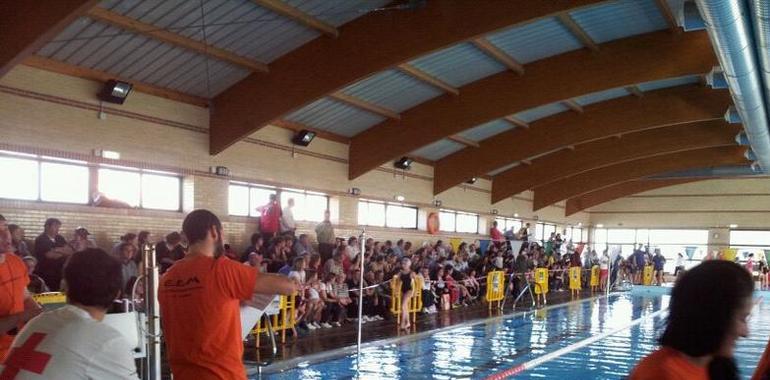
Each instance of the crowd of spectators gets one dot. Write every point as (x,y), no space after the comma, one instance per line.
(329,266)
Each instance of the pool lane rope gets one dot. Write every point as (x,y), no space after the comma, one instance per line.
(513,371)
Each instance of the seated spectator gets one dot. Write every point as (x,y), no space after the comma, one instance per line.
(314,305)
(80,240)
(51,251)
(335,264)
(36,284)
(18,241)
(332,310)
(341,290)
(257,245)
(302,246)
(169,251)
(76,343)
(128,266)
(428,294)
(130,237)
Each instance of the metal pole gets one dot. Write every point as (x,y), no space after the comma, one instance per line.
(152,369)
(609,271)
(360,295)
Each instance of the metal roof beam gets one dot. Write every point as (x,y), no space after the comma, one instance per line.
(325,65)
(364,105)
(427,78)
(497,54)
(573,105)
(467,142)
(609,151)
(152,31)
(668,15)
(597,179)
(635,91)
(655,56)
(595,198)
(577,31)
(299,16)
(601,120)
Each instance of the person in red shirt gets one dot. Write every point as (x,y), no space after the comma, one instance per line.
(495,233)
(270,219)
(709,309)
(199,300)
(16,304)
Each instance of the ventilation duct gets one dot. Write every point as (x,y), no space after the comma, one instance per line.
(723,171)
(727,23)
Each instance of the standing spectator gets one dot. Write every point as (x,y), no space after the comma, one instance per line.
(406,276)
(679,264)
(302,246)
(17,306)
(495,233)
(288,225)
(142,239)
(169,251)
(523,233)
(658,261)
(750,264)
(18,240)
(128,266)
(604,263)
(269,219)
(80,241)
(36,284)
(51,250)
(325,235)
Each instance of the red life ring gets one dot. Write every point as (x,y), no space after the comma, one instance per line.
(433,223)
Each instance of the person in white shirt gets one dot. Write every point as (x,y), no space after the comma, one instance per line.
(679,264)
(288,225)
(604,264)
(71,342)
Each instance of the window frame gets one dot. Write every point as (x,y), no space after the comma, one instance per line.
(278,191)
(386,206)
(456,213)
(39,160)
(142,173)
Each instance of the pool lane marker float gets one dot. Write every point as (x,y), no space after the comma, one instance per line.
(565,350)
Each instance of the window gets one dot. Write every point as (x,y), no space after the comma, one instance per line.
(751,242)
(24,177)
(47,179)
(238,200)
(692,244)
(380,214)
(458,221)
(140,188)
(505,224)
(575,234)
(308,205)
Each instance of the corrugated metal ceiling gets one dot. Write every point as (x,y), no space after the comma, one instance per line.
(459,64)
(332,116)
(438,149)
(487,130)
(536,40)
(393,90)
(336,12)
(619,19)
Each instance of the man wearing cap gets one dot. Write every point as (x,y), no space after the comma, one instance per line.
(81,241)
(16,305)
(51,251)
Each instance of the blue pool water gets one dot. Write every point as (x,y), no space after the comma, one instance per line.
(485,348)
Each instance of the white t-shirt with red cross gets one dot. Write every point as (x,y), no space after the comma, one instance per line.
(67,343)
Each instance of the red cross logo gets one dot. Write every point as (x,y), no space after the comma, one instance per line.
(26,358)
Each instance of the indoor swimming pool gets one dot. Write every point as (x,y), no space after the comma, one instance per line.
(485,348)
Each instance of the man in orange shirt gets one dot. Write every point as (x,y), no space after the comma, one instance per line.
(16,304)
(199,303)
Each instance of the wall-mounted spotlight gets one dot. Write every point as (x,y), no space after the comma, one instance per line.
(494,211)
(471,181)
(115,91)
(437,203)
(303,137)
(403,163)
(354,191)
(399,198)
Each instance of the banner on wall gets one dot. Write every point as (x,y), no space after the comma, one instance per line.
(690,251)
(729,254)
(767,256)
(455,243)
(548,247)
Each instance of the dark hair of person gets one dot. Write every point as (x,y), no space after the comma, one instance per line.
(296,261)
(11,227)
(704,303)
(255,238)
(2,218)
(143,235)
(197,225)
(51,221)
(173,238)
(92,278)
(125,245)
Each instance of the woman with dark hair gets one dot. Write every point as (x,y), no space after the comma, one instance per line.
(405,276)
(710,305)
